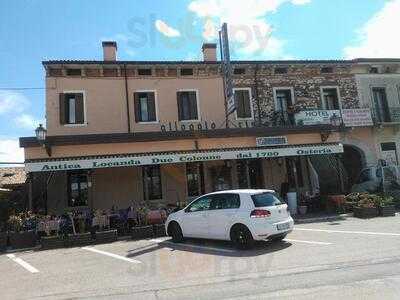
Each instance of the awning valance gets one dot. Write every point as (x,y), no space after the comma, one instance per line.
(80,163)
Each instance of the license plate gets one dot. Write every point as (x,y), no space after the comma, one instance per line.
(283,226)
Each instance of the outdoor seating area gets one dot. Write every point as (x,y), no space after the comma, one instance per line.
(82,227)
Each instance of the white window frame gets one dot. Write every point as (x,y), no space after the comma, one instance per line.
(251,104)
(157,121)
(198,106)
(85,123)
(338,94)
(280,88)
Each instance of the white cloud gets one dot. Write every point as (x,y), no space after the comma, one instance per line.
(377,38)
(10,151)
(27,121)
(165,29)
(301,2)
(249,32)
(12,102)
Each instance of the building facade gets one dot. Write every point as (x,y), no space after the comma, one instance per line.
(121,133)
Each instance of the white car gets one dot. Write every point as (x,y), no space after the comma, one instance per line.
(241,216)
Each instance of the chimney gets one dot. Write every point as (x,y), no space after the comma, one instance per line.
(109,51)
(209,51)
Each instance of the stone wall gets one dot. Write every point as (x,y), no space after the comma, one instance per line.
(306,81)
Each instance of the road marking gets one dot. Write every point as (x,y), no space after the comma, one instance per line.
(192,246)
(22,263)
(350,232)
(134,261)
(307,242)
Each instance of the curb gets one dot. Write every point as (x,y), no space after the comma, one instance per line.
(323,219)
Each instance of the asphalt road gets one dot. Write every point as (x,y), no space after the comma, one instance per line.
(350,259)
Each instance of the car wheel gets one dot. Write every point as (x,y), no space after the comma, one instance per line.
(176,233)
(241,237)
(278,238)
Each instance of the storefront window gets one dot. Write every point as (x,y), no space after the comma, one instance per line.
(195,179)
(77,189)
(249,174)
(290,172)
(241,166)
(152,183)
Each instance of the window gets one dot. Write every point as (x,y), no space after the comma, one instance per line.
(72,108)
(280,70)
(330,98)
(326,70)
(195,179)
(266,199)
(186,72)
(382,113)
(144,72)
(187,105)
(152,183)
(200,204)
(145,107)
(74,72)
(77,189)
(243,104)
(225,201)
(239,71)
(374,70)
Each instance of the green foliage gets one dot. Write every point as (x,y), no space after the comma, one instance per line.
(366,200)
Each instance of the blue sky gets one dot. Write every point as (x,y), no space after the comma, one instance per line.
(36,30)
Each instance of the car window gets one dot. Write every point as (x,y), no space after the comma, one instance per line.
(266,199)
(225,201)
(200,204)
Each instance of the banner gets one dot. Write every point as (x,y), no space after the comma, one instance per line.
(315,117)
(227,69)
(357,117)
(131,161)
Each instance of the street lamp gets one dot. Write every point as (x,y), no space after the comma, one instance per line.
(41,134)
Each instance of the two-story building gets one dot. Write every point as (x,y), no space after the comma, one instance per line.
(123,132)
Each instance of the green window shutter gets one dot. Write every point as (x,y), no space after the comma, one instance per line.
(79,109)
(151,106)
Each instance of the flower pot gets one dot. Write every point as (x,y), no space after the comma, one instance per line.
(142,232)
(108,236)
(53,242)
(365,212)
(81,239)
(24,239)
(3,241)
(387,211)
(302,210)
(159,230)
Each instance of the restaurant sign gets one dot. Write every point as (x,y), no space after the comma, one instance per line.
(129,161)
(357,117)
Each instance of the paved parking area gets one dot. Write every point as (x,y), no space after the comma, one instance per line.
(350,259)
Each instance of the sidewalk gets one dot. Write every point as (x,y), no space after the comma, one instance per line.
(319,217)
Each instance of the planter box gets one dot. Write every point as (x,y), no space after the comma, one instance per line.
(81,239)
(3,241)
(53,242)
(159,230)
(20,240)
(106,236)
(365,213)
(387,211)
(142,232)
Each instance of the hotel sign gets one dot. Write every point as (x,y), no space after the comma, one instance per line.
(315,117)
(129,161)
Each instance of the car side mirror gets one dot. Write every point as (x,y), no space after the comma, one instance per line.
(187,209)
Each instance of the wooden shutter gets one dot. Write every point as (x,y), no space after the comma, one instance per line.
(63,109)
(180,105)
(137,107)
(151,106)
(247,104)
(79,109)
(193,105)
(239,101)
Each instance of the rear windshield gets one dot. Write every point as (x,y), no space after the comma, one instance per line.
(265,199)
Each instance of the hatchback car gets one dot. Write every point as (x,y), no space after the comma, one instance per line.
(241,216)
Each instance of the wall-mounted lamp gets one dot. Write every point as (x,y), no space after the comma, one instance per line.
(41,135)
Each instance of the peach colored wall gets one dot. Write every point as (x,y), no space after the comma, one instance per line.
(105,102)
(177,145)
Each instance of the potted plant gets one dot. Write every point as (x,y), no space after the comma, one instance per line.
(386,206)
(21,234)
(143,230)
(366,206)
